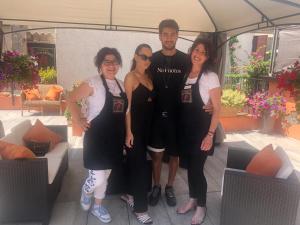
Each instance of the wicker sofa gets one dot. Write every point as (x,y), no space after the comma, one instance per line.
(29,187)
(41,103)
(250,199)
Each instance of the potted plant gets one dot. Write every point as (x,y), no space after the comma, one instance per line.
(48,75)
(233,101)
(258,66)
(76,129)
(289,80)
(269,107)
(18,69)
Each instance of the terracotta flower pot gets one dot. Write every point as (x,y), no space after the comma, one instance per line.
(227,111)
(268,123)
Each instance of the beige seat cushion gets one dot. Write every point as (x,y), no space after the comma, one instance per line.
(53,166)
(287,167)
(2,133)
(59,150)
(44,88)
(54,159)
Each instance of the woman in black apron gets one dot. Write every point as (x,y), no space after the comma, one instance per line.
(197,127)
(139,90)
(104,125)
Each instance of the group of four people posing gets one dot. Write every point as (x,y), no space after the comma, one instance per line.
(162,106)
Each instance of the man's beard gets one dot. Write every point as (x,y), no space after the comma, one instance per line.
(169,48)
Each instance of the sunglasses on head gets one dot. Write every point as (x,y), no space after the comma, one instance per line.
(144,57)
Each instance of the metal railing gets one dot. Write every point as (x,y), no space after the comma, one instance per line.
(248,85)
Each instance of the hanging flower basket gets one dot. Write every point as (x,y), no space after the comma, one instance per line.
(17,69)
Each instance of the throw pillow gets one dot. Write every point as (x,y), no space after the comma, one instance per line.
(53,93)
(38,148)
(32,94)
(12,151)
(287,168)
(39,133)
(266,162)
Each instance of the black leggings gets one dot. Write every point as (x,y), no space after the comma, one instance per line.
(138,171)
(196,179)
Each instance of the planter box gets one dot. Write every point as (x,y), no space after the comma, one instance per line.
(6,102)
(240,123)
(227,111)
(293,131)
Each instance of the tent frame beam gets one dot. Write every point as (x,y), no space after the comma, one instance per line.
(209,15)
(146,29)
(260,12)
(1,38)
(111,12)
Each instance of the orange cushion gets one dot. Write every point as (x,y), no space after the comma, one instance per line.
(53,93)
(39,133)
(12,151)
(265,163)
(32,94)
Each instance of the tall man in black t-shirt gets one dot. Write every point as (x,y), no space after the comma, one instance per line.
(168,68)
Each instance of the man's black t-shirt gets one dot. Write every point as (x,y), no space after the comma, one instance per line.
(168,73)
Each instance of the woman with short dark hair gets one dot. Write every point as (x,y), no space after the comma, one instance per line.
(197,127)
(104,124)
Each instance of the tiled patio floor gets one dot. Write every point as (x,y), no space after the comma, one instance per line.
(67,210)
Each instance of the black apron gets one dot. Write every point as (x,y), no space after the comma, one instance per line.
(104,140)
(194,122)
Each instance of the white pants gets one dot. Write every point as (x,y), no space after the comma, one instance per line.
(96,183)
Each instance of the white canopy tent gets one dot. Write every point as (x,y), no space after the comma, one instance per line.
(230,16)
(224,17)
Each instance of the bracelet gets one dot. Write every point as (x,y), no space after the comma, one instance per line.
(211,132)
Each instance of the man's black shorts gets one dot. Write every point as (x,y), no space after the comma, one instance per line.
(164,136)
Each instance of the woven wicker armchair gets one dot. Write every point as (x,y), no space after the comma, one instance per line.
(43,89)
(26,195)
(250,199)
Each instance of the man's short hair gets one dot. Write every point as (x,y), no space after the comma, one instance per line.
(170,23)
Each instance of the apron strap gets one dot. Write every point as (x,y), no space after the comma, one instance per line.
(106,86)
(104,83)
(121,90)
(186,76)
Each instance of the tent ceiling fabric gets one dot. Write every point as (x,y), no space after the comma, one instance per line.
(232,16)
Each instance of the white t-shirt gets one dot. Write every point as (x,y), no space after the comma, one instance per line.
(207,82)
(92,105)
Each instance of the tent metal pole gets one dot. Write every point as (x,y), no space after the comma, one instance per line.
(1,37)
(111,11)
(274,50)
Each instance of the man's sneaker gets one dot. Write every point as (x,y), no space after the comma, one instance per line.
(154,195)
(101,213)
(85,200)
(170,196)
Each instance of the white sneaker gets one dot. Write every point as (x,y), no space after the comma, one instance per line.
(101,213)
(85,200)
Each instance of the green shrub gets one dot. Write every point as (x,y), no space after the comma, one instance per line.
(258,66)
(236,75)
(48,75)
(233,98)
